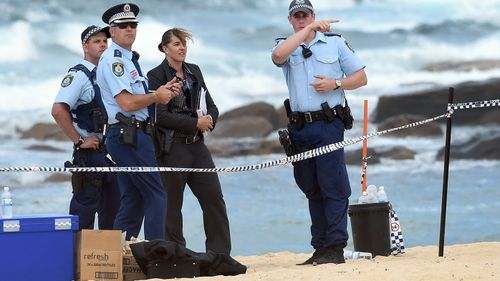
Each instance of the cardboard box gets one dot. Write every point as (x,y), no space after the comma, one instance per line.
(99,255)
(131,270)
(37,248)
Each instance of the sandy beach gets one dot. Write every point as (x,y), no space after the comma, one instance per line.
(476,261)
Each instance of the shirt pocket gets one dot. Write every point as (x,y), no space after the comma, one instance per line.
(137,85)
(328,65)
(296,60)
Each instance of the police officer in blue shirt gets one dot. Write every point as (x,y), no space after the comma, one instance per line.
(79,112)
(129,105)
(318,66)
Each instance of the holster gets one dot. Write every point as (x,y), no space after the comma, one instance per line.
(293,117)
(344,113)
(327,111)
(128,130)
(77,178)
(286,142)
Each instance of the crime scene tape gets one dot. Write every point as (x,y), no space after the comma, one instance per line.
(474,104)
(283,161)
(294,158)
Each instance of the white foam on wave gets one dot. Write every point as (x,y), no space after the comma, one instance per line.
(392,68)
(17,43)
(149,36)
(29,96)
(388,15)
(69,36)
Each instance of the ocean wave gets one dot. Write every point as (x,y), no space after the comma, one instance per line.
(18,42)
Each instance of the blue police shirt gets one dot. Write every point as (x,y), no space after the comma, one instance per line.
(116,72)
(76,89)
(331,57)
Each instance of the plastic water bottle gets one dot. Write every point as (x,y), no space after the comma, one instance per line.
(363,199)
(372,193)
(372,197)
(371,189)
(6,203)
(355,255)
(381,195)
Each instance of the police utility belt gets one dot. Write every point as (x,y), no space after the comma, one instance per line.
(299,119)
(128,127)
(326,113)
(312,116)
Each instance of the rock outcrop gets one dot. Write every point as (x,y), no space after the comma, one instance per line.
(426,130)
(43,131)
(478,147)
(434,102)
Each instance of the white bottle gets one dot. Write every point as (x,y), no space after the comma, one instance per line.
(363,199)
(355,255)
(6,203)
(372,197)
(372,189)
(381,195)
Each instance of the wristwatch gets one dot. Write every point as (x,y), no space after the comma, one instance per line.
(77,145)
(338,83)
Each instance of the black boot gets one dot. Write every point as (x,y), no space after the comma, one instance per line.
(312,259)
(334,254)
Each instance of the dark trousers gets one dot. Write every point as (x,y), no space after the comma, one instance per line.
(205,186)
(142,194)
(324,181)
(100,192)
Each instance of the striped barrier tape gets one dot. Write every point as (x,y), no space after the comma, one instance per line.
(283,161)
(474,104)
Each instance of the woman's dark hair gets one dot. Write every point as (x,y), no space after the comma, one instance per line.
(181,33)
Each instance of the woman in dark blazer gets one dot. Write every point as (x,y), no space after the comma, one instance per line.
(180,127)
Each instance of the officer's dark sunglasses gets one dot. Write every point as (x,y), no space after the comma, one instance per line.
(124,25)
(306,52)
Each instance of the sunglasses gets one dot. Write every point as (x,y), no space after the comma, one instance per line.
(306,52)
(124,25)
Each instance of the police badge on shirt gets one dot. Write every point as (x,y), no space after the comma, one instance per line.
(117,68)
(67,80)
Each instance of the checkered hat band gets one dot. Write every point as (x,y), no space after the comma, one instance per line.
(300,6)
(122,15)
(90,33)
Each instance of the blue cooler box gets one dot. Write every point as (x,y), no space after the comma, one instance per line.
(38,248)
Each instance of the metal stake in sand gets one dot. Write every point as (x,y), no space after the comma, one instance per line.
(445,174)
(364,161)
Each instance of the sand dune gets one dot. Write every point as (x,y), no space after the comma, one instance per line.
(477,261)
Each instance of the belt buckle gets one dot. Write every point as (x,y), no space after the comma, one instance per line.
(308,117)
(190,140)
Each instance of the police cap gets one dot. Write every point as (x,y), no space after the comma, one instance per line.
(93,30)
(125,12)
(300,6)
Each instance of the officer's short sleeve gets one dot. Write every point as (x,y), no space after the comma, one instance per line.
(71,88)
(349,61)
(278,41)
(115,74)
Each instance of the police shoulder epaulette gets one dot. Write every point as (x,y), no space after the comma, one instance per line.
(329,34)
(118,53)
(279,39)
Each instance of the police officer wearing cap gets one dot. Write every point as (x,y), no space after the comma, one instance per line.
(319,66)
(180,127)
(129,106)
(79,112)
